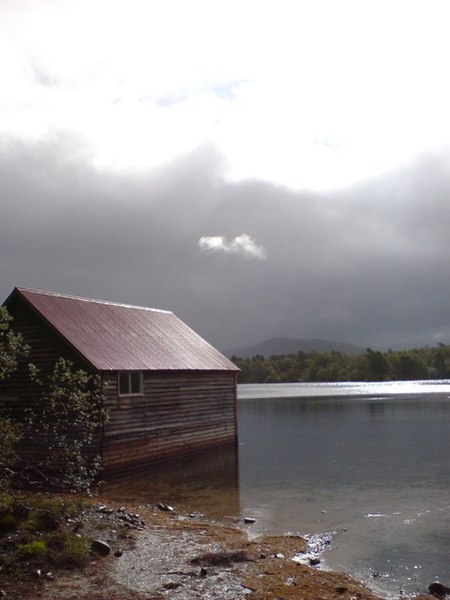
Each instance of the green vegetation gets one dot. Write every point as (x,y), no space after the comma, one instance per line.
(12,345)
(373,365)
(60,426)
(64,424)
(36,538)
(38,534)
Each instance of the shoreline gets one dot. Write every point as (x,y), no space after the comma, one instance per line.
(184,556)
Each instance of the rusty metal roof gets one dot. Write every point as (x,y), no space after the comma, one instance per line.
(113,336)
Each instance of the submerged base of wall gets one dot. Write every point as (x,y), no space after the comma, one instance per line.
(126,456)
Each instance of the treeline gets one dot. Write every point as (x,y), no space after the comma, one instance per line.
(373,365)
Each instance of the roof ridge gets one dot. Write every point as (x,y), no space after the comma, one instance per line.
(92,300)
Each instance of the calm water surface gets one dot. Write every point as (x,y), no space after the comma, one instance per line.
(368,464)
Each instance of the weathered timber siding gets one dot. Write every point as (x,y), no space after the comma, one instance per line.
(179,412)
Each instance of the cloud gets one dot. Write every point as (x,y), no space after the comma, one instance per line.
(367,265)
(305,110)
(243,245)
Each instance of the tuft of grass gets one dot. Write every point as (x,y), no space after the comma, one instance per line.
(32,548)
(67,551)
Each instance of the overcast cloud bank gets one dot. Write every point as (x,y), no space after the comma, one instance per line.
(369,265)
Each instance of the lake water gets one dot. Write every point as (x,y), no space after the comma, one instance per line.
(365,466)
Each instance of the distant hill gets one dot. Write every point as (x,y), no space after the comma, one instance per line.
(277,346)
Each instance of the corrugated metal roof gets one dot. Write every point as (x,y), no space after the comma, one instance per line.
(115,336)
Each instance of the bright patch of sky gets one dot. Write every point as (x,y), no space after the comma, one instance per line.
(309,94)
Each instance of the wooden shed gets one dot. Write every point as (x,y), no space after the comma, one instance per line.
(167,391)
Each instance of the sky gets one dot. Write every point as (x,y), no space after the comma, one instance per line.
(262,168)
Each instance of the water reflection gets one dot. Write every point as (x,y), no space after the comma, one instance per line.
(207,482)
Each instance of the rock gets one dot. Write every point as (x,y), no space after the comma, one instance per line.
(165,507)
(249,520)
(203,572)
(50,576)
(100,547)
(118,553)
(279,555)
(105,509)
(438,590)
(314,562)
(172,585)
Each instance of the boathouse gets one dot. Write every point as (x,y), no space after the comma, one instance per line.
(167,391)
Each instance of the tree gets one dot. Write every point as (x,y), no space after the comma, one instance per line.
(12,349)
(62,422)
(12,345)
(377,365)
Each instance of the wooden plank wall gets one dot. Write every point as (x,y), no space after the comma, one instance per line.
(179,413)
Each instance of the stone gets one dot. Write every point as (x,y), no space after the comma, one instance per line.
(118,553)
(165,507)
(100,547)
(438,590)
(249,520)
(314,562)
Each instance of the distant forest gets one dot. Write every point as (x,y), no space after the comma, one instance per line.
(373,365)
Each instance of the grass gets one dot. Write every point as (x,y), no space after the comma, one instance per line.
(36,536)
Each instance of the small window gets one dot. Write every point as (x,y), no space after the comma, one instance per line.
(130,382)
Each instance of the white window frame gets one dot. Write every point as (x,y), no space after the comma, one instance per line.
(129,374)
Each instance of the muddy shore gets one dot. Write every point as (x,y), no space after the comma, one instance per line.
(184,556)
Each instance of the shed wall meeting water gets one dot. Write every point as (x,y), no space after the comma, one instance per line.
(186,398)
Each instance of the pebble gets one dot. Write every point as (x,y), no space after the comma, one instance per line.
(100,547)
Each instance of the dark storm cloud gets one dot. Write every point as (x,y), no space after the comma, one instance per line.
(368,265)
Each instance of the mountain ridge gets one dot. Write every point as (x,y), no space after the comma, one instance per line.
(284,345)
